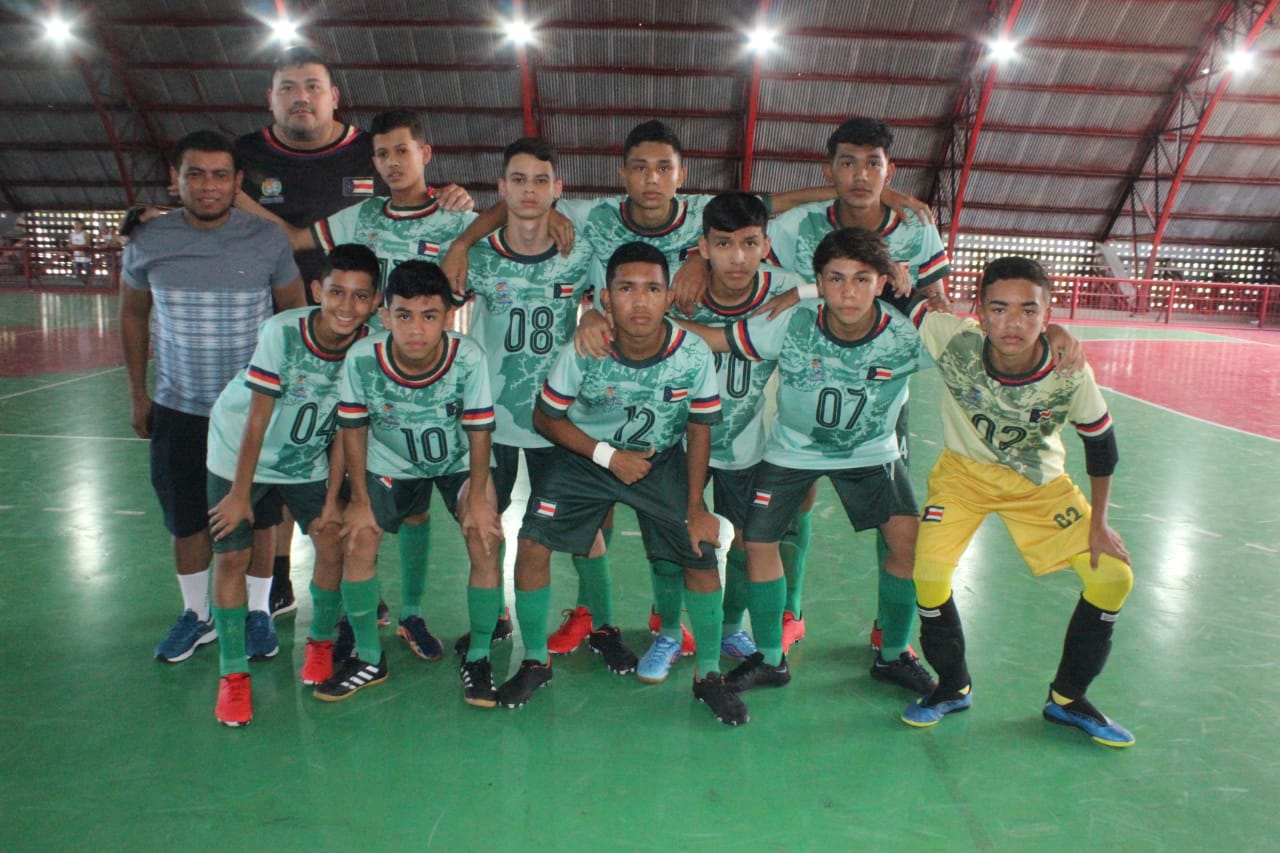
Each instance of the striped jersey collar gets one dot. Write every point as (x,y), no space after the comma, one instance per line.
(675,338)
(881,323)
(382,350)
(306,325)
(888,223)
(679,213)
(392,211)
(1042,369)
(759,293)
(498,242)
(348,135)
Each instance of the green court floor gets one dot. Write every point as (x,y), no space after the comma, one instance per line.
(107,749)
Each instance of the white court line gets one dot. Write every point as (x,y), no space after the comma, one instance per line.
(56,384)
(1262,548)
(1185,415)
(77,437)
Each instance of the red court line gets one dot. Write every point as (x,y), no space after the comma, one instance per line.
(23,353)
(1226,382)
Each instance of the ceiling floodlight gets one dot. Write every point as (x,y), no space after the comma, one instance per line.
(519,31)
(284,31)
(1003,50)
(1240,61)
(57,29)
(760,40)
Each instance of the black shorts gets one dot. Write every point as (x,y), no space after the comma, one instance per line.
(179,444)
(566,512)
(871,496)
(731,493)
(392,501)
(506,459)
(268,500)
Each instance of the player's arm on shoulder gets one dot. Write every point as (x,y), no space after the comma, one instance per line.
(289,295)
(594,334)
(780,203)
(903,204)
(455,197)
(1065,349)
(690,282)
(714,336)
(300,239)
(455,261)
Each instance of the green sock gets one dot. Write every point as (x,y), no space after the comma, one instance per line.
(414,541)
(584,586)
(794,550)
(735,592)
(896,614)
(705,612)
(325,606)
(230,624)
(360,600)
(668,596)
(595,588)
(483,608)
(765,600)
(532,606)
(502,561)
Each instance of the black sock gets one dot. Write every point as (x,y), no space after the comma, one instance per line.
(1084,650)
(280,569)
(942,642)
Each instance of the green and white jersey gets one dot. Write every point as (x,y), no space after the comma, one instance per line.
(417,424)
(796,233)
(525,311)
(838,400)
(607,224)
(635,405)
(1014,421)
(737,442)
(394,234)
(292,366)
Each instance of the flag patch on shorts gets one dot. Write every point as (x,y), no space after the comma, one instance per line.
(546,509)
(759,498)
(932,513)
(386,482)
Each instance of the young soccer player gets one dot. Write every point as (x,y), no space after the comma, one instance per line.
(415,415)
(618,424)
(411,224)
(843,365)
(270,430)
(525,311)
(735,242)
(1003,413)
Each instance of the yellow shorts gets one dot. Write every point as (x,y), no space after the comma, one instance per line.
(1049,523)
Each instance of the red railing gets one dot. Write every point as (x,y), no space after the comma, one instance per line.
(1148,301)
(43,267)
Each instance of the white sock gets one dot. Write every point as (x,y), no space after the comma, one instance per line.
(259,593)
(195,593)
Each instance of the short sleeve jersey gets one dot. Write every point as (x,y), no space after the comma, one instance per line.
(302,376)
(737,442)
(395,234)
(838,400)
(299,185)
(210,290)
(417,424)
(525,311)
(1014,421)
(796,233)
(635,405)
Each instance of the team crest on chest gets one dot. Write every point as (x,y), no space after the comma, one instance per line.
(272,190)
(817,373)
(502,294)
(298,390)
(389,415)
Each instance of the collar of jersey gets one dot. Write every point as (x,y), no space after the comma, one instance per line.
(679,212)
(448,353)
(1040,371)
(760,291)
(390,211)
(498,242)
(319,350)
(675,337)
(881,323)
(348,135)
(888,223)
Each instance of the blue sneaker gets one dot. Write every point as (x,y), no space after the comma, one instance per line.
(922,716)
(738,646)
(656,663)
(1082,715)
(413,630)
(187,634)
(260,640)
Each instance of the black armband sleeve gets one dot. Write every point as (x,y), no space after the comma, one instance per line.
(1100,454)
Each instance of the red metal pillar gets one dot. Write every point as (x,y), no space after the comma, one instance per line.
(753,107)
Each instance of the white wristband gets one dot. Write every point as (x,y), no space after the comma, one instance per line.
(602,454)
(807,291)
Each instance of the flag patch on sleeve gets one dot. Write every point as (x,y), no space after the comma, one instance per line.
(932,513)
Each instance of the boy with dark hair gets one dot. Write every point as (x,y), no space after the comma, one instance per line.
(416,414)
(272,429)
(1003,413)
(525,311)
(843,365)
(618,424)
(735,242)
(205,269)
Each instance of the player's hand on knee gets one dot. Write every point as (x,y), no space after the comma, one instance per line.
(631,466)
(228,514)
(359,523)
(455,197)
(703,527)
(1103,539)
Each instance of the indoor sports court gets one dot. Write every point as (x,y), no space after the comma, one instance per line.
(1173,290)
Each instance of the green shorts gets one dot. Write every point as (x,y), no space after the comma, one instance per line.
(565,513)
(871,496)
(393,501)
(506,460)
(731,493)
(305,501)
